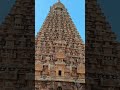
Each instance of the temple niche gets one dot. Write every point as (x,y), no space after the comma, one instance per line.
(60,53)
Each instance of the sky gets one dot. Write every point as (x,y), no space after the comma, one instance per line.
(5,7)
(110,8)
(76,9)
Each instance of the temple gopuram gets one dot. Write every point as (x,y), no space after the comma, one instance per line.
(59,53)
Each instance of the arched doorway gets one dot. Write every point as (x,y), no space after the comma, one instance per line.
(59,88)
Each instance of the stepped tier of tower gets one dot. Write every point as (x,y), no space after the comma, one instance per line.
(102,61)
(17,47)
(59,52)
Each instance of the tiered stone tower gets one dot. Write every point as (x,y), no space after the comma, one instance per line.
(102,63)
(17,47)
(59,54)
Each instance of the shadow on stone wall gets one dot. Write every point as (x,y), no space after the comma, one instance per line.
(102,50)
(17,46)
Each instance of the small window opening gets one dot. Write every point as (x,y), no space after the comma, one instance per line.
(59,73)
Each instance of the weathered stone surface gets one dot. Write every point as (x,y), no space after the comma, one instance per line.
(101,51)
(17,48)
(61,51)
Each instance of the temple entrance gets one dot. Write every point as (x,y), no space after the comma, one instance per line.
(59,88)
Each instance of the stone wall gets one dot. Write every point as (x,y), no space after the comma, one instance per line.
(17,40)
(102,61)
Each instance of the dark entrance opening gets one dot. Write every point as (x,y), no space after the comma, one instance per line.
(59,73)
(59,88)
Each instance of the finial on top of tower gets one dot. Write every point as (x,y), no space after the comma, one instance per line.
(58,0)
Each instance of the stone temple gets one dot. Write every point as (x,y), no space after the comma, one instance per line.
(59,53)
(102,51)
